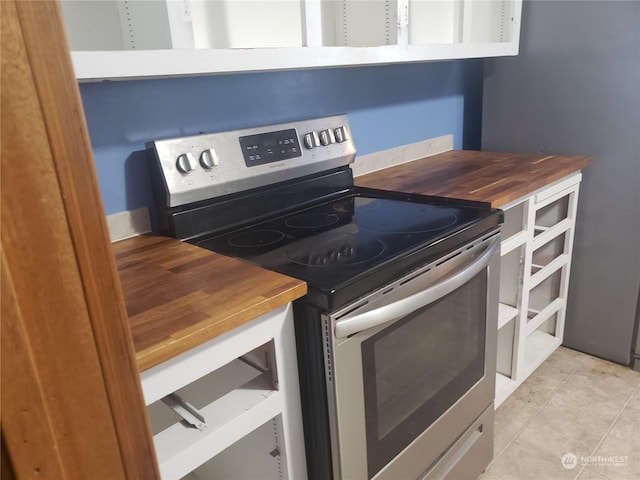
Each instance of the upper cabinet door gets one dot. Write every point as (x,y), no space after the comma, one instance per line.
(137,38)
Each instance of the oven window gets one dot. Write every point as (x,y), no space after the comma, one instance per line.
(415,369)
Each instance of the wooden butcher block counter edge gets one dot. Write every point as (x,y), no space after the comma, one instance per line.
(179,296)
(492,177)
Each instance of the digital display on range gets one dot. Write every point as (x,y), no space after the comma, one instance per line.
(270,147)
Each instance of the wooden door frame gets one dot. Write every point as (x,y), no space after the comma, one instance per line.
(72,404)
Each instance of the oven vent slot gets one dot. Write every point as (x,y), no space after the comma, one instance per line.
(446,259)
(492,234)
(412,277)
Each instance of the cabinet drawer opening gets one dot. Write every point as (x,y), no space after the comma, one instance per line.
(548,252)
(549,326)
(552,214)
(543,294)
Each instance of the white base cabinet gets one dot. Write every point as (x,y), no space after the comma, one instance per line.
(238,413)
(536,259)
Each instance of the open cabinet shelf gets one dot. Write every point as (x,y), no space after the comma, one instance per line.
(536,258)
(233,463)
(213,399)
(138,38)
(229,418)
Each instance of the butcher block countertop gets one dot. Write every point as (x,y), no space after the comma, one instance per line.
(179,296)
(494,178)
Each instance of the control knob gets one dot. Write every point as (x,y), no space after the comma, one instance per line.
(341,134)
(186,162)
(327,137)
(311,140)
(209,158)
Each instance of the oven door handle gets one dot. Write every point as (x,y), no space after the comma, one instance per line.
(349,325)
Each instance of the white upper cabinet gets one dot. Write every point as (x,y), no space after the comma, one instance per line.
(137,38)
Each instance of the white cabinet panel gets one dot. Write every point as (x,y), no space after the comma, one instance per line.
(93,25)
(246,24)
(117,24)
(365,23)
(435,22)
(536,258)
(243,388)
(489,21)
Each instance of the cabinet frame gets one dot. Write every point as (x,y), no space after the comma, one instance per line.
(189,448)
(182,60)
(531,345)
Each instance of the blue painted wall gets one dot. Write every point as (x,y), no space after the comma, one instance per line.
(388,106)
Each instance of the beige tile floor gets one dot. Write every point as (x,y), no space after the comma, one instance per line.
(573,407)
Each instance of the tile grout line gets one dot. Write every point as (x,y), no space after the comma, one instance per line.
(553,393)
(538,410)
(606,433)
(598,475)
(583,467)
(626,404)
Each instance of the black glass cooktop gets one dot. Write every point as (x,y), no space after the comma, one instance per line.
(334,243)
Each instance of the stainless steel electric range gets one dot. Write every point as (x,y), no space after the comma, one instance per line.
(396,339)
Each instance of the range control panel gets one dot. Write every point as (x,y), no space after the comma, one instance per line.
(205,166)
(270,147)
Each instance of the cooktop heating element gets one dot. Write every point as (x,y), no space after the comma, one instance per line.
(331,244)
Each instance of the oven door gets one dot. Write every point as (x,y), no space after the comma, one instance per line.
(411,366)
